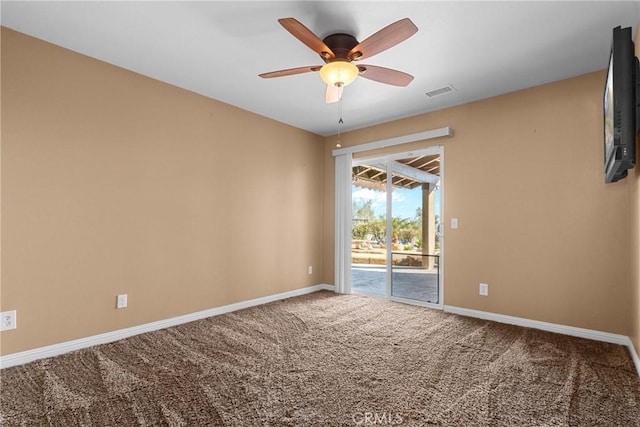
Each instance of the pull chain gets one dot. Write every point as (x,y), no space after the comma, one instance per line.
(340,122)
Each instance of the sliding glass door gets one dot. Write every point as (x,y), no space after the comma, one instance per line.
(395,250)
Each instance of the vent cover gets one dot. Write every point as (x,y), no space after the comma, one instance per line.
(441,91)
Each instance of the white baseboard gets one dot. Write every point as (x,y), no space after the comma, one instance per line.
(634,355)
(550,327)
(23,357)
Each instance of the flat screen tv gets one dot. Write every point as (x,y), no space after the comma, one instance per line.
(621,110)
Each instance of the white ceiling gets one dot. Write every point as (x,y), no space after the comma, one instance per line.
(217,49)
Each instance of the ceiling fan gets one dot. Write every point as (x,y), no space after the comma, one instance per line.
(339,50)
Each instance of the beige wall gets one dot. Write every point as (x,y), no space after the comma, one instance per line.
(634,189)
(524,175)
(116,183)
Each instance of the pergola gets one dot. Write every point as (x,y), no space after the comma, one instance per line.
(407,173)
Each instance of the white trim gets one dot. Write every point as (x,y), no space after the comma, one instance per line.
(634,355)
(403,139)
(441,230)
(536,324)
(23,357)
(550,327)
(343,223)
(388,218)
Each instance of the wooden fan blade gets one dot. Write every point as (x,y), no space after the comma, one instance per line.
(385,75)
(387,37)
(305,35)
(333,94)
(290,72)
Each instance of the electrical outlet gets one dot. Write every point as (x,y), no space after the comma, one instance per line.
(310,269)
(8,320)
(121,301)
(484,289)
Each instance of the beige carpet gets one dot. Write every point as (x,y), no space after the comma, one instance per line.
(330,360)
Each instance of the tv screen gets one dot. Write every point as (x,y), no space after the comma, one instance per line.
(620,107)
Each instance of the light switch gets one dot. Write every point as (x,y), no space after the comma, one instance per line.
(121,301)
(454,223)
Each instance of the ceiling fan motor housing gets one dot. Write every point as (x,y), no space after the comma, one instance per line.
(341,44)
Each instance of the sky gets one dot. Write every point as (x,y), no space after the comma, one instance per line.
(404,201)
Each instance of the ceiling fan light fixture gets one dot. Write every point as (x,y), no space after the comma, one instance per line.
(339,73)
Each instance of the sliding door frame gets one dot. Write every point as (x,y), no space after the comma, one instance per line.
(343,209)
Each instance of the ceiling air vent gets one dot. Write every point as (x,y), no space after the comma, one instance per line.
(441,91)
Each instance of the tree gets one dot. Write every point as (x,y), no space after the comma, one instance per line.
(360,230)
(362,210)
(378,229)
